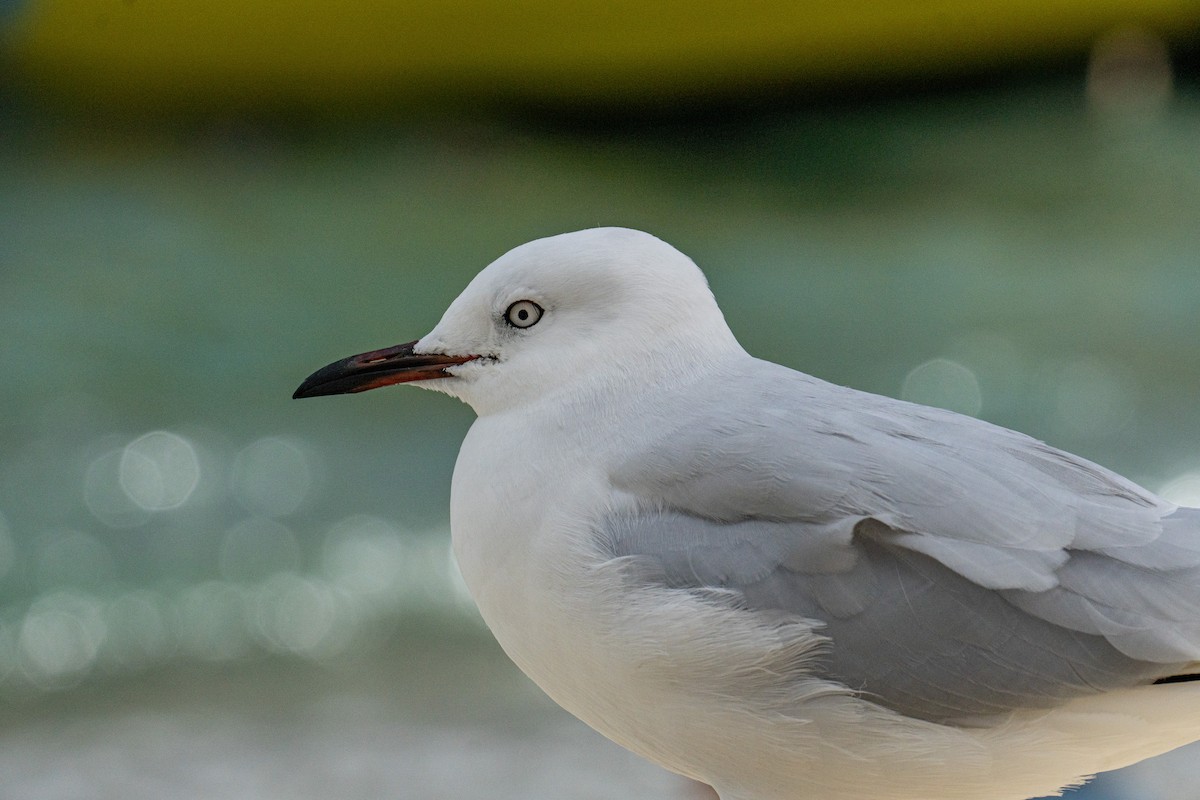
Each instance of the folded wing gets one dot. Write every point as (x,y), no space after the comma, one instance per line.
(957,568)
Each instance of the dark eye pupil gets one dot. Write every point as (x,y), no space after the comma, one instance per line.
(521,314)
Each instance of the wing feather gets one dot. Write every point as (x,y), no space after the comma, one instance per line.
(958,568)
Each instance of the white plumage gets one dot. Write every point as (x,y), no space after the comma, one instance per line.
(785,588)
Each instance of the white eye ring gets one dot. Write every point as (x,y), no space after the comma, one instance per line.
(523,314)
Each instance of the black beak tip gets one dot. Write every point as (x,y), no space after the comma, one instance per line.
(335,378)
(306,389)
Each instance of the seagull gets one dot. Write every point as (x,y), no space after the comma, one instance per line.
(781,587)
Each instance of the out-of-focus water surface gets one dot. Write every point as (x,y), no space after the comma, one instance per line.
(207,588)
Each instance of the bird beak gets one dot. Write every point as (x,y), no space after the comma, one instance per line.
(377,368)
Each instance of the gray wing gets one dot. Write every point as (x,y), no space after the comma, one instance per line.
(957,568)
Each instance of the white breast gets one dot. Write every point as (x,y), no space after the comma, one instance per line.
(524,541)
(519,533)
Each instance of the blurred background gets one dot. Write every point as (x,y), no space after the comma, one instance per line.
(207,589)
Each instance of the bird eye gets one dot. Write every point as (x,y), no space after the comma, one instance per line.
(523,314)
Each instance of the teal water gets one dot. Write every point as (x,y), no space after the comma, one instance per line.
(170,518)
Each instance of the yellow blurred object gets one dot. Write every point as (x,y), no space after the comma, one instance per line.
(221,52)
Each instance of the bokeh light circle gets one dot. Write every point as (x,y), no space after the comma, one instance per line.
(159,470)
(271,477)
(944,383)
